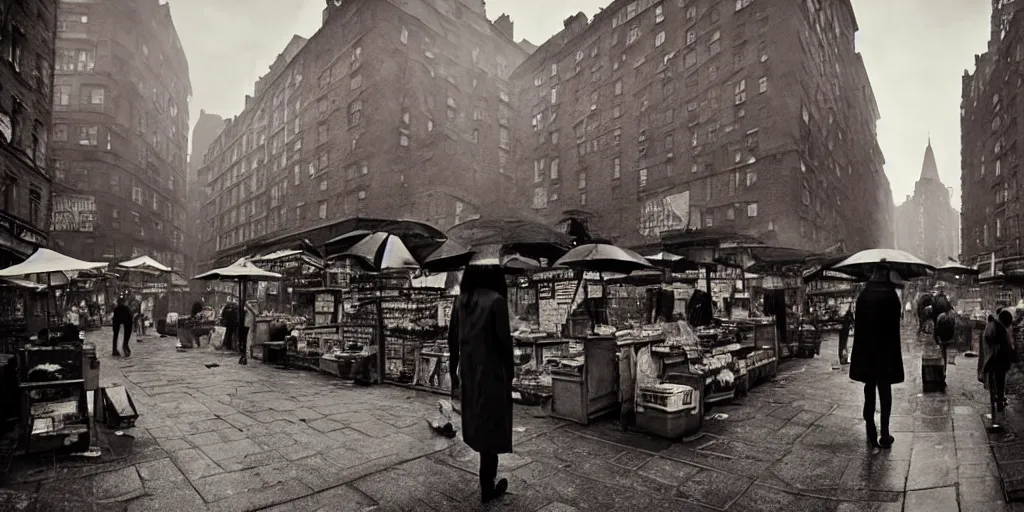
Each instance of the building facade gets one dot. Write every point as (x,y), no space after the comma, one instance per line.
(992,142)
(392,109)
(754,116)
(26,82)
(120,132)
(206,130)
(927,225)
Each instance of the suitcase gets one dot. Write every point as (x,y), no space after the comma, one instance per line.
(933,370)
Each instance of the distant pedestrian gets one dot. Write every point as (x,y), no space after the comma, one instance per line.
(945,331)
(122,320)
(877,355)
(480,344)
(994,360)
(845,322)
(923,313)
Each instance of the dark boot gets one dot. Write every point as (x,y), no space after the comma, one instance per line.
(492,492)
(872,432)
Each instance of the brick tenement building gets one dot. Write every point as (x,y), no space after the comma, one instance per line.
(206,130)
(391,109)
(992,141)
(26,80)
(927,225)
(755,116)
(120,132)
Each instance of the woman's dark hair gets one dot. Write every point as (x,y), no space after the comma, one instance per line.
(478,277)
(1005,318)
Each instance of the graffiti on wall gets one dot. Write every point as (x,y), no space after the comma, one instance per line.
(73,213)
(664,214)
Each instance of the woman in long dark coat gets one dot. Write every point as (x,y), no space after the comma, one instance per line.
(877,355)
(480,343)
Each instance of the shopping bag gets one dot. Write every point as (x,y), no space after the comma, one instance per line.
(217,337)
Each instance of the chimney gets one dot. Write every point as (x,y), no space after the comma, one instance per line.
(575,24)
(505,26)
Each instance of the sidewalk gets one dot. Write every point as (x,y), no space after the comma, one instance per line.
(235,438)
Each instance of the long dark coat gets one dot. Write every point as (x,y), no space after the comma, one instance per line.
(480,343)
(995,350)
(877,353)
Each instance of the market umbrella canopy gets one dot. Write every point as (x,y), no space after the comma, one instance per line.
(239,270)
(863,263)
(383,251)
(528,238)
(603,258)
(286,255)
(954,268)
(45,261)
(450,256)
(144,263)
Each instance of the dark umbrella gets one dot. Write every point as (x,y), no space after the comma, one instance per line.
(449,257)
(530,239)
(603,258)
(383,251)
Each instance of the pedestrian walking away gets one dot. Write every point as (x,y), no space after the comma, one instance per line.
(945,331)
(844,336)
(877,359)
(480,344)
(122,320)
(994,360)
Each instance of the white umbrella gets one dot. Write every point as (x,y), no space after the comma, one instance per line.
(144,263)
(663,257)
(45,261)
(863,263)
(239,270)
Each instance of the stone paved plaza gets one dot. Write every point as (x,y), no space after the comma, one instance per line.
(235,438)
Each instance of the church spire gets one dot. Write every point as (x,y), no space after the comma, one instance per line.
(929,170)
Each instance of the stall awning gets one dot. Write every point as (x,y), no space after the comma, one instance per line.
(144,263)
(290,255)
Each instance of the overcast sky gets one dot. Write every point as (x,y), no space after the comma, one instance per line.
(915,50)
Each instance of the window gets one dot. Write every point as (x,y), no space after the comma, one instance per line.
(643,178)
(298,174)
(752,210)
(35,206)
(554,95)
(741,91)
(403,139)
(618,88)
(503,138)
(659,39)
(60,132)
(762,84)
(405,36)
(805,114)
(554,168)
(356,82)
(617,111)
(582,182)
(554,69)
(62,95)
(691,14)
(88,135)
(554,138)
(324,161)
(659,14)
(691,37)
(355,112)
(999,167)
(476,136)
(361,195)
(751,178)
(634,34)
(323,206)
(93,95)
(538,170)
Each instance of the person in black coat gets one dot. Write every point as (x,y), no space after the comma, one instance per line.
(923,303)
(122,320)
(480,344)
(994,360)
(844,336)
(877,354)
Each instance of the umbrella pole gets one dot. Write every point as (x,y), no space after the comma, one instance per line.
(242,340)
(49,297)
(381,343)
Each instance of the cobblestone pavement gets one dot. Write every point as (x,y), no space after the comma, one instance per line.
(252,438)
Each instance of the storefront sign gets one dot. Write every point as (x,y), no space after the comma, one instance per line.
(73,213)
(664,214)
